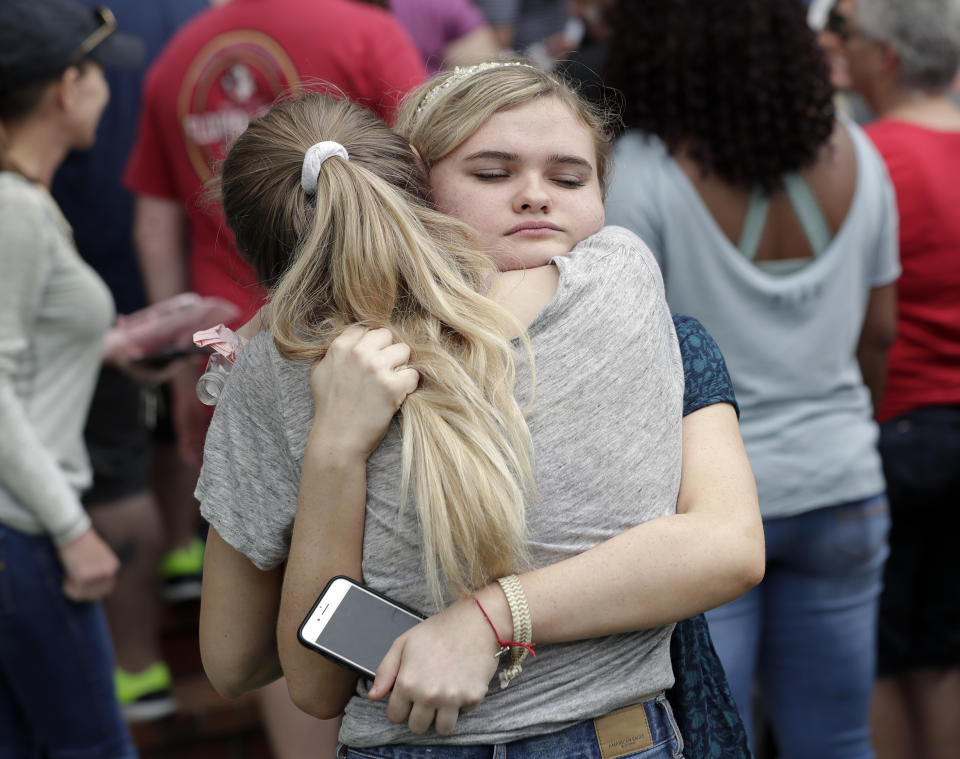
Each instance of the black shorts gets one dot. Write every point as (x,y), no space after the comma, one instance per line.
(159,403)
(117,439)
(919,624)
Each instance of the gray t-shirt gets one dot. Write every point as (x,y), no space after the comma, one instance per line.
(606,427)
(790,342)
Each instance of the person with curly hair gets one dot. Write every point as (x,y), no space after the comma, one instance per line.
(775,224)
(903,59)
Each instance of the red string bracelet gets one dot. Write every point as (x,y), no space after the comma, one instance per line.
(504,644)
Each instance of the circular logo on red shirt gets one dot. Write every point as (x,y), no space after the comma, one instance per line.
(235,78)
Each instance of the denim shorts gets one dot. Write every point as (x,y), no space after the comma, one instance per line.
(646,730)
(56,664)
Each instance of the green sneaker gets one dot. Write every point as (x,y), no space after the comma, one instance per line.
(146,695)
(181,572)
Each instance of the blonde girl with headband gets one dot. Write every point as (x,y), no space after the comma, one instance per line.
(585,552)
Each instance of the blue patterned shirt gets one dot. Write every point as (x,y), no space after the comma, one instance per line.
(706,380)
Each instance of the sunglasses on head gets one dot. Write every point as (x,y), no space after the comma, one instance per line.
(106,25)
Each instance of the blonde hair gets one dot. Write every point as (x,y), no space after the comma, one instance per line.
(441,114)
(367,248)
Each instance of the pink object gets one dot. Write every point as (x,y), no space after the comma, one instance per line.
(172,322)
(222,339)
(226,344)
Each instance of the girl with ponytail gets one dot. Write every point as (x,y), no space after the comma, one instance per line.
(510,509)
(365,250)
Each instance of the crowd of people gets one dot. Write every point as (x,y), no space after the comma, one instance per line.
(620,339)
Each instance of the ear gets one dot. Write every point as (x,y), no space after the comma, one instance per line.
(426,169)
(66,87)
(423,165)
(889,59)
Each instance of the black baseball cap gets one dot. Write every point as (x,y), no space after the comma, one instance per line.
(41,38)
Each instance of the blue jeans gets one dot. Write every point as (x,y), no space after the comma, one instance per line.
(653,720)
(56,663)
(807,633)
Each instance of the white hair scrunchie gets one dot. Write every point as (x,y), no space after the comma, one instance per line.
(313,159)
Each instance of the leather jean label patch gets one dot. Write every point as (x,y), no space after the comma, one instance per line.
(623,732)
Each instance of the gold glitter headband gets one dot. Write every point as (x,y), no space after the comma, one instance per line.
(465,72)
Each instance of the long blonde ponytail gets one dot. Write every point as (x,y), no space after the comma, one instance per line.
(367,248)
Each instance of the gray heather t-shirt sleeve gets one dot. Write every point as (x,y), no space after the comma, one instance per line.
(249,482)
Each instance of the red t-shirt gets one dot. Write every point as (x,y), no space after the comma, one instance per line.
(228,66)
(924,361)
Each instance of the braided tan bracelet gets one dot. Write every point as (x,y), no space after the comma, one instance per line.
(522,627)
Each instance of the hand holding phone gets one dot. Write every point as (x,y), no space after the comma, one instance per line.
(452,653)
(355,625)
(439,669)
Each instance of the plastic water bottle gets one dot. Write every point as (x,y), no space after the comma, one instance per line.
(214,377)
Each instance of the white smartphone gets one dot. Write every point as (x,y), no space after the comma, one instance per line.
(354,625)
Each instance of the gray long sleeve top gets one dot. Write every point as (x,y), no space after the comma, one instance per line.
(54,313)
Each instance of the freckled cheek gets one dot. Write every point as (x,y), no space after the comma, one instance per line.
(452,202)
(598,218)
(463,211)
(476,211)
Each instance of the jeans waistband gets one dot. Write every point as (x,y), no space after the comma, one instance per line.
(622,732)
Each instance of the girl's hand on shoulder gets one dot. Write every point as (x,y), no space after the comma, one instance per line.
(358,386)
(438,669)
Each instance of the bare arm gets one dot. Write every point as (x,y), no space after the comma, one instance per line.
(159,231)
(239,607)
(879,330)
(710,552)
(238,614)
(327,541)
(353,408)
